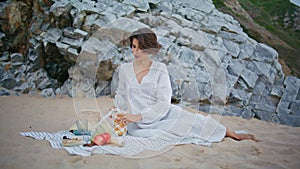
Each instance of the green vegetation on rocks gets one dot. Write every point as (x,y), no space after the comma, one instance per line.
(279,17)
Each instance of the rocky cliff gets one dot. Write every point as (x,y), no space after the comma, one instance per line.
(64,47)
(275,23)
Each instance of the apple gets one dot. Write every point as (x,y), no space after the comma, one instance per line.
(102,139)
(106,137)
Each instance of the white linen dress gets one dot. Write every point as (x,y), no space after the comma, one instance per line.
(160,118)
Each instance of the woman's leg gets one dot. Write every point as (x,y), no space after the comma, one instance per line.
(239,137)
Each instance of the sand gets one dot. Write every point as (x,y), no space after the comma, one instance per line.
(279,146)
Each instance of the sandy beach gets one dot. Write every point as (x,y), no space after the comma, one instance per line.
(279,146)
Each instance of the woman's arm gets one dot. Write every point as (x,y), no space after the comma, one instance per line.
(163,98)
(120,100)
(158,110)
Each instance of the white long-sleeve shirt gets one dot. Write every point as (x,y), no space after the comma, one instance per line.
(160,119)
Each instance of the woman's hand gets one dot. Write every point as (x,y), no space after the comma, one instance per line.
(131,118)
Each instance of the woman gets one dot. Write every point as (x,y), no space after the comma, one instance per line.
(144,94)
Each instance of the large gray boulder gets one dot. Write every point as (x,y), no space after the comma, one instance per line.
(213,65)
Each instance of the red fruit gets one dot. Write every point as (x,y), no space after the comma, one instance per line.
(102,139)
(106,137)
(99,140)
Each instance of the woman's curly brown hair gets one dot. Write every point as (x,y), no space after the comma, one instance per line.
(147,40)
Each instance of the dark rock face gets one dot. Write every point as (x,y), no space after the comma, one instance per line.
(74,48)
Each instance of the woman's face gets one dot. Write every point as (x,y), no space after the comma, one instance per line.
(136,51)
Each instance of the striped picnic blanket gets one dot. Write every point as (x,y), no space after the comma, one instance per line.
(132,145)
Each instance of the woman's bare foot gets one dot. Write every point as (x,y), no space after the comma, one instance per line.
(239,137)
(246,137)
